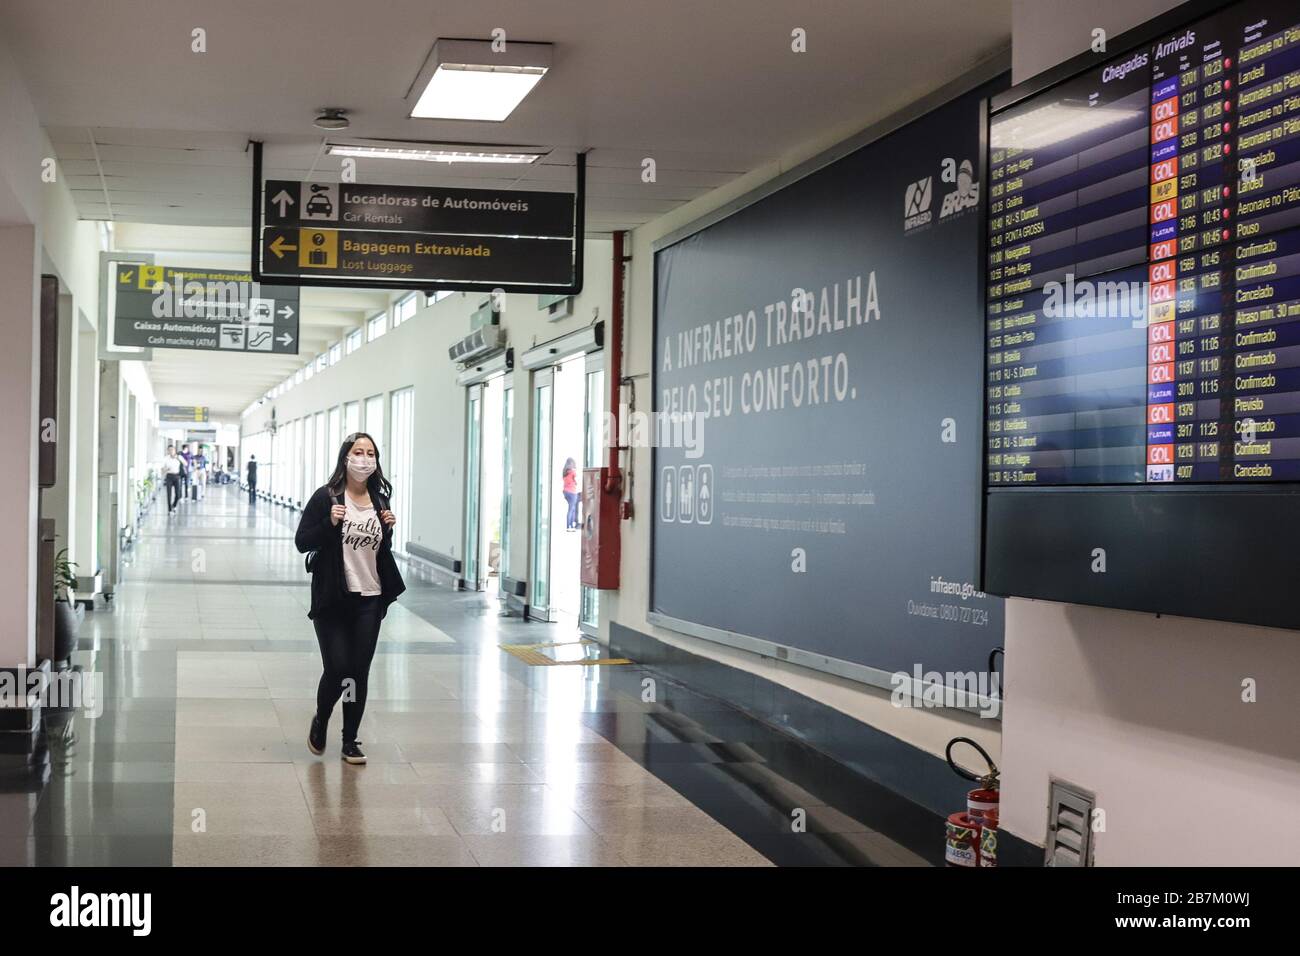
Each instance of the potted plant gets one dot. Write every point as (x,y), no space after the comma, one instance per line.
(66,620)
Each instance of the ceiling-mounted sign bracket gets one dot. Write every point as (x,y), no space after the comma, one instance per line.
(341,235)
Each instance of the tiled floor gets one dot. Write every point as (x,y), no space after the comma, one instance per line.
(210,667)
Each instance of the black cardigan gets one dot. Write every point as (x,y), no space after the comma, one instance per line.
(316,532)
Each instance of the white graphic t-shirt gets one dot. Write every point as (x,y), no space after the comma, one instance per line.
(362,534)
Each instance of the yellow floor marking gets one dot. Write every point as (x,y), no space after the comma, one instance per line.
(532,654)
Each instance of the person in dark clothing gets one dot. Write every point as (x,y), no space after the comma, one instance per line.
(172,467)
(252,479)
(347,526)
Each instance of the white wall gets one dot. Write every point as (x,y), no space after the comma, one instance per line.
(1146,711)
(415,353)
(39,232)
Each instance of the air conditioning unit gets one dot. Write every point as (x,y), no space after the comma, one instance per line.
(479,343)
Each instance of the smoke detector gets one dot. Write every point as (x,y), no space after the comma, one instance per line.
(332,118)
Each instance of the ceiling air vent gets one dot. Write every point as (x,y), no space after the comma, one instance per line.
(1069,829)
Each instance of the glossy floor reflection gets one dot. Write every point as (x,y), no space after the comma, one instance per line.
(209,668)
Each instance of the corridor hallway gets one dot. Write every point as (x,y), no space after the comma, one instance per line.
(209,668)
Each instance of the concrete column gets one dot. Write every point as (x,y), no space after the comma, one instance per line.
(85,472)
(109,462)
(58,502)
(130,472)
(19,362)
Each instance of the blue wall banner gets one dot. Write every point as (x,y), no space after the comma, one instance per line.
(818,410)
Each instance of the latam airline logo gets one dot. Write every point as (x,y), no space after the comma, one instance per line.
(916,204)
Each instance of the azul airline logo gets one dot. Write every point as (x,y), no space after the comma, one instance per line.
(964,195)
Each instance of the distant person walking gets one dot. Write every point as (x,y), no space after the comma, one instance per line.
(348,528)
(186,458)
(172,477)
(252,479)
(569,475)
(200,464)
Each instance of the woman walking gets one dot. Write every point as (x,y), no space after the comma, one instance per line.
(569,477)
(348,527)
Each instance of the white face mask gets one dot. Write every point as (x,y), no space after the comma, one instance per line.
(360,467)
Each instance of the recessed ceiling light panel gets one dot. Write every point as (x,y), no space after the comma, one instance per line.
(469,80)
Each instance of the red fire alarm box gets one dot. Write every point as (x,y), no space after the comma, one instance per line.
(600,531)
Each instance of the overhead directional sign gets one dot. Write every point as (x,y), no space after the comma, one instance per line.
(182,413)
(488,212)
(205,309)
(417,257)
(368,235)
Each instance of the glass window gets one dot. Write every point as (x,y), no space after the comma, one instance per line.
(321,361)
(438,296)
(401,455)
(405,310)
(374,423)
(377,326)
(354,340)
(336,353)
(351,417)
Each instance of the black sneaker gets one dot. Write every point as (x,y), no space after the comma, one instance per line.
(316,736)
(352,753)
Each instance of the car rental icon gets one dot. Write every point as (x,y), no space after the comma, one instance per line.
(319,204)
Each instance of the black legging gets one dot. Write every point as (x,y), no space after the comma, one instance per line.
(347,634)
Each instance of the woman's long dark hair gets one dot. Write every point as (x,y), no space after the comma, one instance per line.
(377,484)
(569,464)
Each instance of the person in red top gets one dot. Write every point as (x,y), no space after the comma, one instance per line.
(570,476)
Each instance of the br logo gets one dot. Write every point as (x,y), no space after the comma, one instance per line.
(967,193)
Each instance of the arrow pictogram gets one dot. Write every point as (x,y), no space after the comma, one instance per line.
(282,199)
(286,313)
(280,247)
(285,339)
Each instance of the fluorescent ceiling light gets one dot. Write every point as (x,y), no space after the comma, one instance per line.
(1053,123)
(469,80)
(434,154)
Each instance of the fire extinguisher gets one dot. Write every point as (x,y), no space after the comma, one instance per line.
(972,835)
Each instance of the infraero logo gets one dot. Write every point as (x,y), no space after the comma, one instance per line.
(916,204)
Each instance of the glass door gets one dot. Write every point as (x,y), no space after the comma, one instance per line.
(473,477)
(507,473)
(540,585)
(594,457)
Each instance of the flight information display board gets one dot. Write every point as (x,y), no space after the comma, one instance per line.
(1143,282)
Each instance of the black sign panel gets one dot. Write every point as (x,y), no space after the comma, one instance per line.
(182,413)
(487,212)
(417,257)
(163,307)
(817,392)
